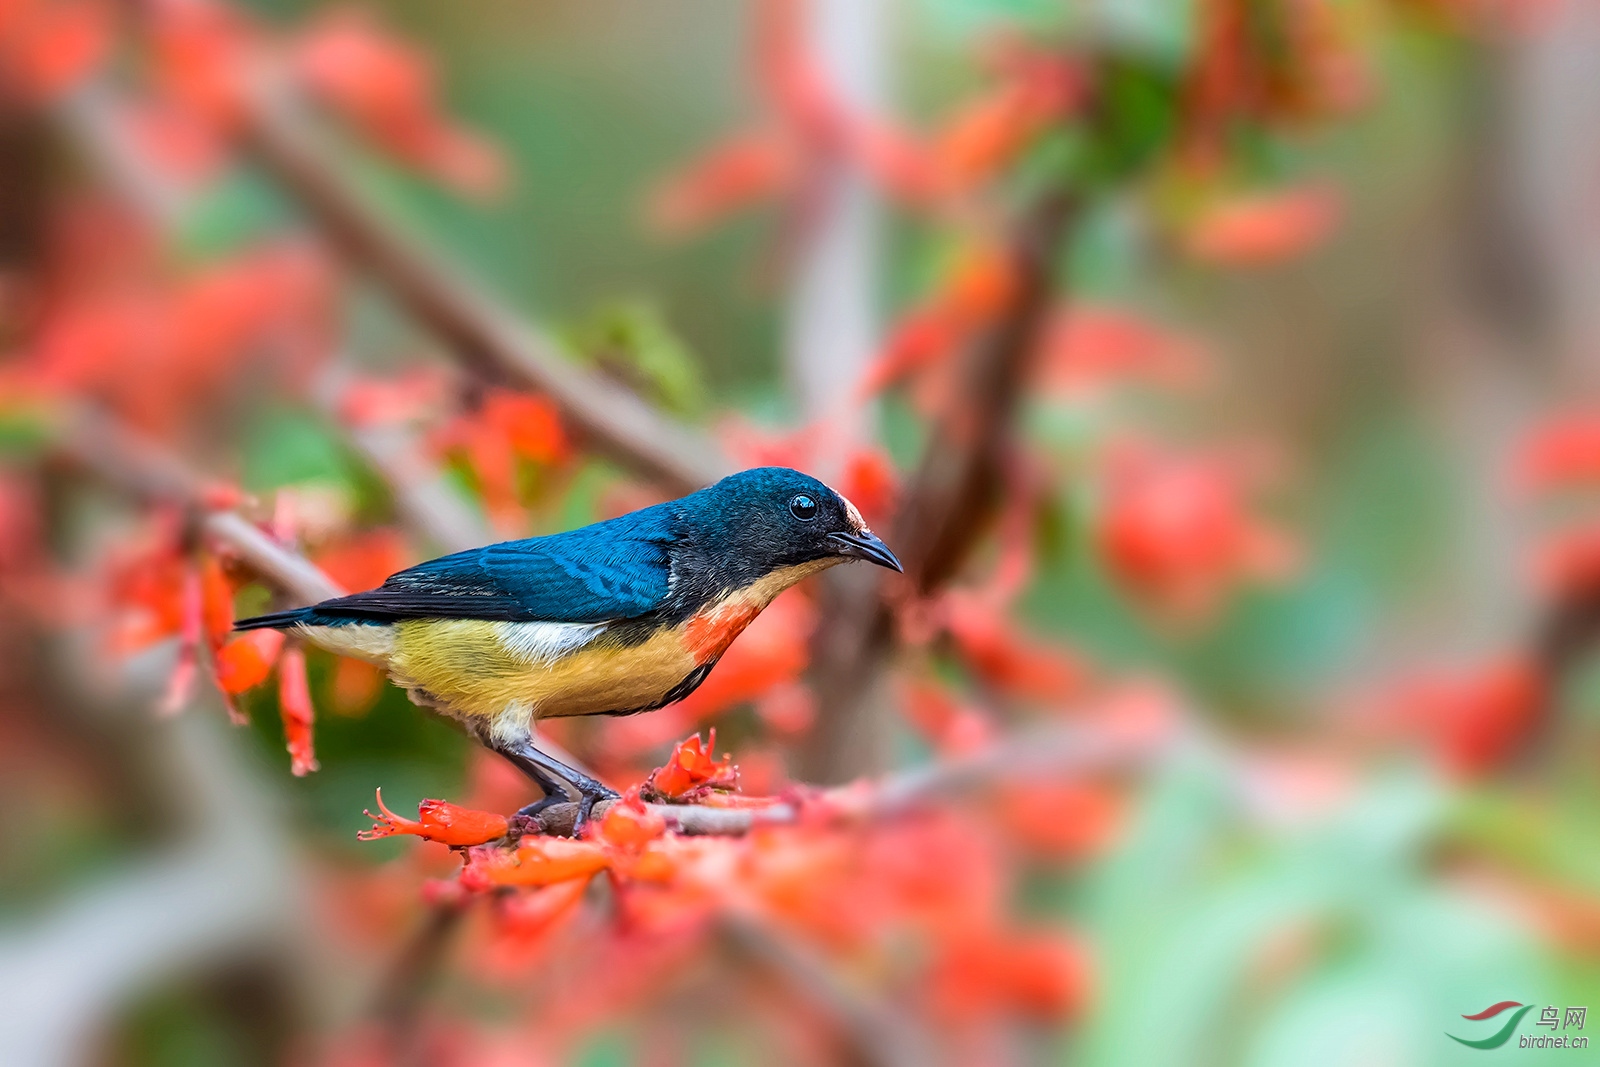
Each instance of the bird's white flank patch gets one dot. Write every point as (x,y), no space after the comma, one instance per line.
(546,642)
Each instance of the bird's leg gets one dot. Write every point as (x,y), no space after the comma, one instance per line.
(548,772)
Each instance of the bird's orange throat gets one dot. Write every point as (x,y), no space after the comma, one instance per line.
(709,632)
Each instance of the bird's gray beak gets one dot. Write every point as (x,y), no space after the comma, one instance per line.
(865,545)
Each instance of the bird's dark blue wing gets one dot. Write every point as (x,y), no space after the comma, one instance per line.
(617,569)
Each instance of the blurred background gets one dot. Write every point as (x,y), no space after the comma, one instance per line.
(1223,371)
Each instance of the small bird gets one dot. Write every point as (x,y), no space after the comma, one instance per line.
(619,617)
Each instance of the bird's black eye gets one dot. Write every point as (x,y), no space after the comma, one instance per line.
(803,507)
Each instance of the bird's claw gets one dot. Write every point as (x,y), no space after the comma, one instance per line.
(587,799)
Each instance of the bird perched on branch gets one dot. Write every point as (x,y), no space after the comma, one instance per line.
(619,617)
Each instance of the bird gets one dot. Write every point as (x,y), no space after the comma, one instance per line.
(615,618)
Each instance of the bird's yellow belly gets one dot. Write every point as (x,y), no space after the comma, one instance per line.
(467,667)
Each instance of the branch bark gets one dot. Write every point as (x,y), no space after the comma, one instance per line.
(947,506)
(137,466)
(1059,749)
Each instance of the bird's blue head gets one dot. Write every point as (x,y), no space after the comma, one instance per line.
(774,517)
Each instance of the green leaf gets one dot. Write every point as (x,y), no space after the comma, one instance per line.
(631,341)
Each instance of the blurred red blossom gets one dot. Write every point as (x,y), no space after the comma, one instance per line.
(744,170)
(1035,974)
(507,429)
(975,289)
(413,395)
(1035,88)
(1177,532)
(247,660)
(629,824)
(1561,452)
(1271,64)
(1061,819)
(47,47)
(536,861)
(807,129)
(157,351)
(386,89)
(294,705)
(1476,718)
(1258,229)
(1565,564)
(950,725)
(362,560)
(1093,346)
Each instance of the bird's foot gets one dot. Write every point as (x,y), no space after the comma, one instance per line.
(590,793)
(530,811)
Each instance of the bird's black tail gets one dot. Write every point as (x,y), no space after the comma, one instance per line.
(278,620)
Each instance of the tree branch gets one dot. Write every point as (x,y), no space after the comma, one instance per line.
(1059,749)
(484,334)
(128,461)
(424,498)
(948,504)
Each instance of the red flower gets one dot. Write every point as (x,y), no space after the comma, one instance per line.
(691,768)
(386,89)
(976,290)
(1006,657)
(1264,228)
(363,560)
(536,861)
(744,170)
(507,429)
(247,660)
(48,46)
(630,825)
(1091,346)
(989,133)
(1477,719)
(437,820)
(180,686)
(1036,975)
(294,705)
(1177,533)
(1562,452)
(1065,820)
(871,483)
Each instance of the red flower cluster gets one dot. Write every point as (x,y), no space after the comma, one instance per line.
(1176,531)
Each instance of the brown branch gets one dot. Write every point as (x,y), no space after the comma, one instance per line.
(141,468)
(424,498)
(1059,749)
(948,504)
(483,333)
